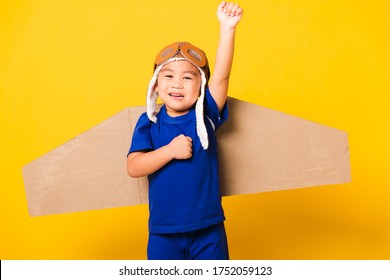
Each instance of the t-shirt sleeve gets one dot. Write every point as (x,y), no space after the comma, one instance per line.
(141,140)
(212,112)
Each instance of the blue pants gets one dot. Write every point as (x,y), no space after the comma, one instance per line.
(205,244)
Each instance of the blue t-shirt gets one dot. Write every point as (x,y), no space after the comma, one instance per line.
(184,195)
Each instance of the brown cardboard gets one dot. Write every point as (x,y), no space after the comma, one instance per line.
(260,150)
(264,150)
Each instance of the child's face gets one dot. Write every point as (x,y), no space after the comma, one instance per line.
(178,86)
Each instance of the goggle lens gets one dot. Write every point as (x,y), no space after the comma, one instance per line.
(187,50)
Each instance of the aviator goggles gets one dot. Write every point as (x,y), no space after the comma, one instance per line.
(187,50)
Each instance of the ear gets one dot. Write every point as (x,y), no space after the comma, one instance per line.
(155,88)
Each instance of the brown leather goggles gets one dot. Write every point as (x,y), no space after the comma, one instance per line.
(187,50)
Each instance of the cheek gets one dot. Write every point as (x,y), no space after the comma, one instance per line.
(197,88)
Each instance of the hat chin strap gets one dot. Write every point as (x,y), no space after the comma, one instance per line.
(151,99)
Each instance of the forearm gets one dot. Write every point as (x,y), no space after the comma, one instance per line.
(229,15)
(141,164)
(224,57)
(219,81)
(145,163)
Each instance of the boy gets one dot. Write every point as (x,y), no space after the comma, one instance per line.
(177,149)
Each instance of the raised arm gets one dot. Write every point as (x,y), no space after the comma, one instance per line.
(229,14)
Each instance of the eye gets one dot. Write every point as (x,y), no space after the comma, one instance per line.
(187,78)
(168,76)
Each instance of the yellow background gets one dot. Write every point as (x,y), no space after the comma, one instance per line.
(67,65)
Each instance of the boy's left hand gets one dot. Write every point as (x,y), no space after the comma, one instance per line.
(229,14)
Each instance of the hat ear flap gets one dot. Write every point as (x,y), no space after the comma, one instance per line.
(152,95)
(199,110)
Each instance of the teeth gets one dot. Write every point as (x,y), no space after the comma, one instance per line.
(176,95)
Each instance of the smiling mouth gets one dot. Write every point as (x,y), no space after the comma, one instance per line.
(176,95)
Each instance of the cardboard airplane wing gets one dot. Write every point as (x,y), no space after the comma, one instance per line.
(264,150)
(260,150)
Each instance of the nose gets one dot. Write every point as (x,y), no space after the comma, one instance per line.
(177,83)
